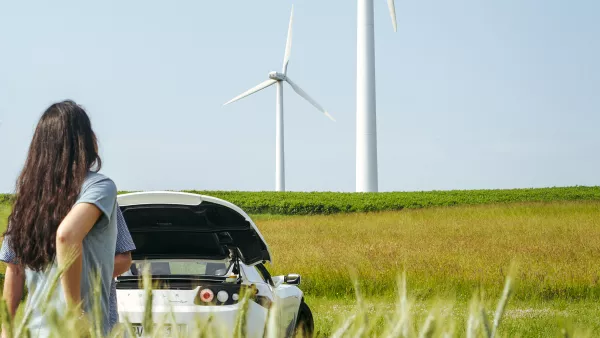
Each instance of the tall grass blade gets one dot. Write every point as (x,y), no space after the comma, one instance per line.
(449,331)
(97,307)
(486,322)
(240,322)
(341,331)
(402,328)
(473,320)
(47,293)
(147,321)
(203,329)
(360,322)
(7,320)
(272,327)
(128,328)
(506,293)
(117,331)
(55,324)
(172,321)
(428,329)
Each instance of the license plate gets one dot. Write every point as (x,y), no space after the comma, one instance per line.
(169,331)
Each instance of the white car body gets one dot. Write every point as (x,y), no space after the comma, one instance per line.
(173,230)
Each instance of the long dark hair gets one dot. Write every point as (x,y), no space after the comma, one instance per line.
(62,152)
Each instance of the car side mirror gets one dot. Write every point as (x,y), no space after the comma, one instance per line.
(292,279)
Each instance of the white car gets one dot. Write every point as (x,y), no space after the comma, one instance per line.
(202,251)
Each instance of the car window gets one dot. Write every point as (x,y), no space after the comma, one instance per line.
(182,267)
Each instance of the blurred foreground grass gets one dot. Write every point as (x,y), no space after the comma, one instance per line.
(521,319)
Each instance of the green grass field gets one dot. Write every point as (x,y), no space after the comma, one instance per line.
(445,249)
(447,252)
(315,203)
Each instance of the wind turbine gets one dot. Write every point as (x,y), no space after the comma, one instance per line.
(366,124)
(276,78)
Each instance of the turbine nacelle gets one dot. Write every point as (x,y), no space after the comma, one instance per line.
(277,76)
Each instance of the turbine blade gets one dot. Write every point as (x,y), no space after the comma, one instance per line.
(288,44)
(253,90)
(392,7)
(304,95)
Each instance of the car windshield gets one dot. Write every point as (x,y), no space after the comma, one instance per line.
(175,267)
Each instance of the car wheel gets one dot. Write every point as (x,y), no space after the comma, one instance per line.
(305,325)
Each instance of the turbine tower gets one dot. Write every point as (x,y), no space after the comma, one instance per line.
(366,117)
(276,78)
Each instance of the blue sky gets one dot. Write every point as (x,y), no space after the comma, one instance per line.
(471,94)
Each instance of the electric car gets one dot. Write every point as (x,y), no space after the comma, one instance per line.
(202,253)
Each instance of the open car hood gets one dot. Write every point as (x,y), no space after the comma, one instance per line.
(173,225)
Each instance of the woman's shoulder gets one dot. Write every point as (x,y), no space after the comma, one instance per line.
(93,177)
(99,181)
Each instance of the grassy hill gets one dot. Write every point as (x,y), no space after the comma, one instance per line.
(311,203)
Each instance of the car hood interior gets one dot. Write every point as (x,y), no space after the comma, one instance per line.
(204,231)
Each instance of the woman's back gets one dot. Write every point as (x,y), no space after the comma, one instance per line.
(98,256)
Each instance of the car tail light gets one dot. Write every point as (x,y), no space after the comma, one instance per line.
(218,294)
(207,295)
(222,296)
(229,294)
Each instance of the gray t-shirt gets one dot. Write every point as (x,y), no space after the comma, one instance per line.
(98,256)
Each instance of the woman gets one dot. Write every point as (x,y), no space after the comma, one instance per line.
(64,217)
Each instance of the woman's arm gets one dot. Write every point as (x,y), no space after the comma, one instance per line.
(124,246)
(122,263)
(69,243)
(14,280)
